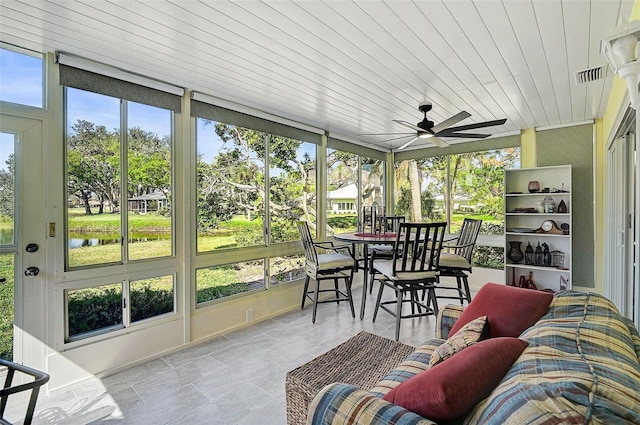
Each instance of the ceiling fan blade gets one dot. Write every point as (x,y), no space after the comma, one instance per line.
(438,142)
(477,125)
(407,144)
(408,124)
(446,133)
(450,121)
(382,134)
(396,138)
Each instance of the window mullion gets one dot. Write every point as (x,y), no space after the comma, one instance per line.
(267,193)
(126,303)
(124,181)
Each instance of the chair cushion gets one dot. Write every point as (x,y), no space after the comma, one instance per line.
(386,268)
(449,390)
(519,309)
(334,260)
(474,331)
(454,261)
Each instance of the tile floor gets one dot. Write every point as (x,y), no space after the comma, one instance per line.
(234,379)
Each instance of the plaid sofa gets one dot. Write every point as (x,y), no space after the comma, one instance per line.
(582,366)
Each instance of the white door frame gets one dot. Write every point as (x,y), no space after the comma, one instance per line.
(30,329)
(622,221)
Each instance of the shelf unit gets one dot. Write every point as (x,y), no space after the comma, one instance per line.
(521,226)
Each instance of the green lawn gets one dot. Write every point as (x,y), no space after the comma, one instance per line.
(6,307)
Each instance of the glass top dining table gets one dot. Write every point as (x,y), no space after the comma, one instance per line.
(365,239)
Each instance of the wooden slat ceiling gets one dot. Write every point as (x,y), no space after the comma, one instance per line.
(343,66)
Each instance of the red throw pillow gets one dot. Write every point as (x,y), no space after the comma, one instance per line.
(509,310)
(451,388)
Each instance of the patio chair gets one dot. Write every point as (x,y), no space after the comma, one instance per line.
(455,261)
(332,265)
(40,378)
(392,224)
(412,268)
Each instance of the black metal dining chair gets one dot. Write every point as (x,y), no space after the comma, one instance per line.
(39,379)
(412,268)
(392,224)
(455,261)
(331,265)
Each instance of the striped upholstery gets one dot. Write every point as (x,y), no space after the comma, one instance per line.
(339,404)
(580,367)
(415,363)
(447,317)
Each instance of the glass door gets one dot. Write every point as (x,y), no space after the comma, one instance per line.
(22,242)
(8,142)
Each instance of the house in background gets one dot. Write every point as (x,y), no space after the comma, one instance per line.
(154,201)
(343,200)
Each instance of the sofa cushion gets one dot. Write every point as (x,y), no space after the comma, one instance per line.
(469,334)
(581,367)
(448,390)
(510,310)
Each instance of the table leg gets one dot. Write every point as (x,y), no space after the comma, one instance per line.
(365,249)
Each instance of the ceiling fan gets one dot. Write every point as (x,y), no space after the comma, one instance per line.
(426,129)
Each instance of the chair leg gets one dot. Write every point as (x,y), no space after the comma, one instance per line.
(315,301)
(461,293)
(466,288)
(399,298)
(348,281)
(337,289)
(375,310)
(304,292)
(434,300)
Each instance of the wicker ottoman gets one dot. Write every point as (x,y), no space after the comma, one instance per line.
(362,360)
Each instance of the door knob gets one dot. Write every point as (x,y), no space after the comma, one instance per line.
(31,271)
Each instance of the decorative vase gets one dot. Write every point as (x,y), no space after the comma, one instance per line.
(534,186)
(515,254)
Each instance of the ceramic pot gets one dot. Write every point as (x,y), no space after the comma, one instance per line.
(534,186)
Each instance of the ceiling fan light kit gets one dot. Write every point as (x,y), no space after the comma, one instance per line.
(427,129)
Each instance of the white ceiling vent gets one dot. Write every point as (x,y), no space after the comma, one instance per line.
(590,74)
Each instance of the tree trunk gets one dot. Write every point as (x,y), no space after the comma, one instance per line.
(86,195)
(414,183)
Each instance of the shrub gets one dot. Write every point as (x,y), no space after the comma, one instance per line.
(100,308)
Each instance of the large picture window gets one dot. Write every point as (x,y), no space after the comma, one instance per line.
(98,190)
(453,187)
(231,186)
(254,182)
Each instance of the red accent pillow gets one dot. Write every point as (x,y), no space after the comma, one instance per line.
(451,388)
(509,310)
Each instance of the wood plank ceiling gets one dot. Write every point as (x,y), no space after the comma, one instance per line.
(348,67)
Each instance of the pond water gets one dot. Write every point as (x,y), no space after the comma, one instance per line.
(88,242)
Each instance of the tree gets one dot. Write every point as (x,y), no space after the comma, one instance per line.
(93,158)
(93,164)
(7,184)
(234,183)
